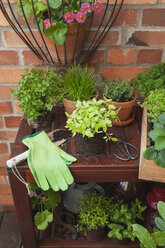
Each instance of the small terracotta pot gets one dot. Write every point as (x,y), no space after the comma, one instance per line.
(126,109)
(69,43)
(95,236)
(71,105)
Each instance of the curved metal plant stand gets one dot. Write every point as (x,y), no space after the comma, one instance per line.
(43,52)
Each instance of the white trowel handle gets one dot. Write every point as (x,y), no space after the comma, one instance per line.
(19,158)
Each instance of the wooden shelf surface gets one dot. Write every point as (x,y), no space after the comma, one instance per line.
(102,168)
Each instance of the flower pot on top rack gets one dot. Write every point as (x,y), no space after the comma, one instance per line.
(71,48)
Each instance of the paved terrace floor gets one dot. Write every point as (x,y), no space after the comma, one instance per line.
(9,232)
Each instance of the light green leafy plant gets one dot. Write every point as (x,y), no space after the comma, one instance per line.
(91,117)
(118,91)
(155,104)
(121,218)
(157,151)
(79,83)
(150,80)
(94,212)
(36,90)
(43,202)
(156,238)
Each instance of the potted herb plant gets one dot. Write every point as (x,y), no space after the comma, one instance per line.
(157,237)
(59,22)
(121,218)
(93,216)
(150,80)
(121,95)
(79,84)
(90,121)
(43,203)
(38,91)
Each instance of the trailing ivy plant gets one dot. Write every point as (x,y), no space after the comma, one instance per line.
(157,151)
(155,104)
(94,212)
(36,90)
(43,202)
(157,238)
(79,83)
(91,117)
(150,80)
(118,91)
(121,218)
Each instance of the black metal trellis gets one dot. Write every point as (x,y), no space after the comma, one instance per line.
(43,53)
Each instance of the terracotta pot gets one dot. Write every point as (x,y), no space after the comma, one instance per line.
(71,105)
(95,236)
(69,43)
(125,111)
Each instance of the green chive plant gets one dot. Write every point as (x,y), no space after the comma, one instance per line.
(79,83)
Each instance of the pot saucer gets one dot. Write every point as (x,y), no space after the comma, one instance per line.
(125,123)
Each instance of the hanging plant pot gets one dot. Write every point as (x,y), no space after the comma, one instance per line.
(125,114)
(92,146)
(95,236)
(71,49)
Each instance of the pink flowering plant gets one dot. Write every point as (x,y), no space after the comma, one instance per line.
(72,11)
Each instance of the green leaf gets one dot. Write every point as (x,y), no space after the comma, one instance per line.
(161,208)
(144,236)
(159,238)
(160,158)
(55,3)
(27,8)
(53,199)
(42,219)
(32,186)
(154,134)
(161,118)
(160,143)
(160,223)
(57,33)
(42,6)
(150,153)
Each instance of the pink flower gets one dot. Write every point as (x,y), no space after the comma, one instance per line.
(69,17)
(47,23)
(80,17)
(97,7)
(85,7)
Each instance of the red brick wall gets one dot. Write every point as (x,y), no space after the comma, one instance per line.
(135,42)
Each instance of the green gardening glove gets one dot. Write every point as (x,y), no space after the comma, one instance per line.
(48,163)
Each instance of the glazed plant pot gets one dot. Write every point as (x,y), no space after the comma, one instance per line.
(72,49)
(125,114)
(92,146)
(95,236)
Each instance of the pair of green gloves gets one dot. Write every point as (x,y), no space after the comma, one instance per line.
(48,163)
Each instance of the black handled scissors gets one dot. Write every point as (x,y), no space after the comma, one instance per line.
(129,151)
